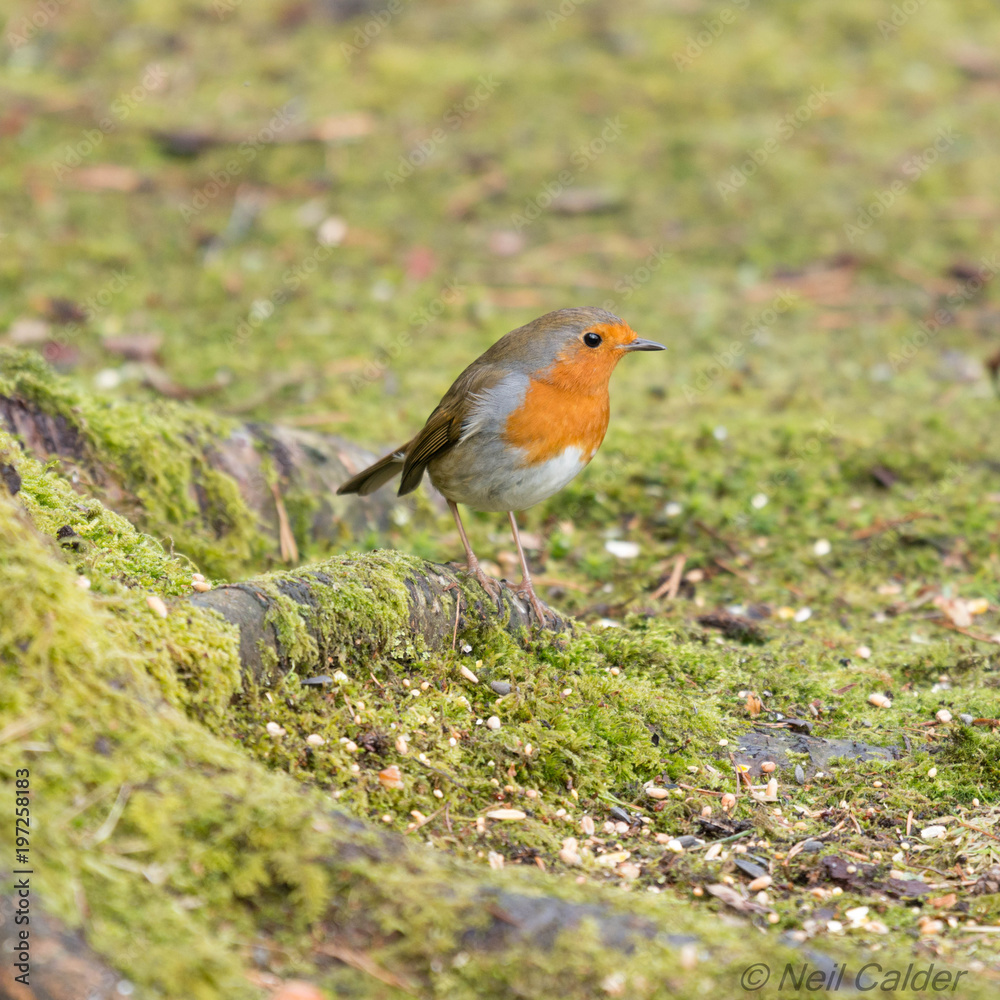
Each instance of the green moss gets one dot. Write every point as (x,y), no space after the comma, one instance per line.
(157,451)
(852,438)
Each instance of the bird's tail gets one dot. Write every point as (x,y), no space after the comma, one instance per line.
(370,479)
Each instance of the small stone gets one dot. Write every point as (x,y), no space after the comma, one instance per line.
(156,605)
(800,774)
(493,722)
(812,846)
(501,687)
(689,840)
(943,715)
(966,719)
(988,882)
(315,740)
(932,773)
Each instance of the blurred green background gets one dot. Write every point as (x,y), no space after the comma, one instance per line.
(319,213)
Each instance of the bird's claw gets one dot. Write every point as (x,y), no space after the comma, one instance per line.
(526,590)
(491,586)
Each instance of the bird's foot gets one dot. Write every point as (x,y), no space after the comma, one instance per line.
(491,586)
(525,589)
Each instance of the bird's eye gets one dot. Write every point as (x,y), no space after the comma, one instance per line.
(592,339)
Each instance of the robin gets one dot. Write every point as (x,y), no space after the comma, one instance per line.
(518,424)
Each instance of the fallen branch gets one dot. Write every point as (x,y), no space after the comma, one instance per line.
(418,603)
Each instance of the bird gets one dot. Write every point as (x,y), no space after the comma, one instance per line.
(517,425)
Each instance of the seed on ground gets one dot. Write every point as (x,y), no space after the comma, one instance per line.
(156,605)
(506,814)
(391,777)
(493,722)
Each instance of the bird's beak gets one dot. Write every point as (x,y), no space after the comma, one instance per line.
(642,345)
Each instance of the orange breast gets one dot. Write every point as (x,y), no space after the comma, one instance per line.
(553,419)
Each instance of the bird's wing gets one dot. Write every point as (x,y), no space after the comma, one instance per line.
(444,426)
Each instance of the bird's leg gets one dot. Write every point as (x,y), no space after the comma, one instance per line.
(525,587)
(488,583)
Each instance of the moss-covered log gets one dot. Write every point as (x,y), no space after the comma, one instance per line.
(171,847)
(379,604)
(228,494)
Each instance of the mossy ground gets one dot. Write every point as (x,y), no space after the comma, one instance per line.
(800,401)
